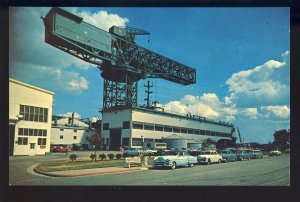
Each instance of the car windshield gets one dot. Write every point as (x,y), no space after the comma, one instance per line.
(205,153)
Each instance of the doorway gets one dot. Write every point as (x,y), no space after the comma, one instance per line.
(31,149)
(115,139)
(11,139)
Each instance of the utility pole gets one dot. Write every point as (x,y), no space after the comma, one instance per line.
(148,86)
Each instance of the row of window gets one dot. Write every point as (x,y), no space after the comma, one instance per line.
(75,130)
(175,129)
(24,141)
(126,125)
(32,132)
(31,113)
(166,128)
(62,137)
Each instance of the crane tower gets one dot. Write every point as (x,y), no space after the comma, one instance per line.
(121,61)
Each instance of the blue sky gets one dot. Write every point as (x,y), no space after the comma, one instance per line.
(241,56)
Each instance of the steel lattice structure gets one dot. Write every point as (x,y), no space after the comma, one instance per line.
(122,62)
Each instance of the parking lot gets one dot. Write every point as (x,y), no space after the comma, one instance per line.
(270,170)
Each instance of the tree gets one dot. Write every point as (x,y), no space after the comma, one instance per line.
(96,141)
(282,139)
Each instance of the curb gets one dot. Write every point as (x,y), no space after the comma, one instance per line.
(85,174)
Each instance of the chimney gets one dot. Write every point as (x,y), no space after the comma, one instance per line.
(72,123)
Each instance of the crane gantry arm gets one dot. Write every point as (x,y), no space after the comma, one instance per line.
(110,50)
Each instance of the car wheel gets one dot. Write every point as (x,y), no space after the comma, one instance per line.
(208,162)
(173,165)
(225,160)
(219,161)
(191,164)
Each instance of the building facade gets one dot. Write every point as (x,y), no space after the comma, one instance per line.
(67,131)
(30,111)
(133,126)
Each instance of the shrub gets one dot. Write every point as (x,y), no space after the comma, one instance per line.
(111,156)
(93,156)
(73,157)
(102,156)
(118,156)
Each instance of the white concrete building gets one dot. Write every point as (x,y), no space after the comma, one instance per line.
(30,111)
(69,130)
(132,126)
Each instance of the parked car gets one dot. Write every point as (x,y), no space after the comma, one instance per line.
(275,153)
(209,156)
(243,154)
(149,152)
(173,161)
(256,154)
(228,155)
(132,152)
(60,148)
(77,147)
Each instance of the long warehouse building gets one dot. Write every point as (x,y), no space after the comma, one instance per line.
(133,126)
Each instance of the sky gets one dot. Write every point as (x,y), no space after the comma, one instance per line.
(241,57)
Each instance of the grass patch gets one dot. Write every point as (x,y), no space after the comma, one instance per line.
(82,164)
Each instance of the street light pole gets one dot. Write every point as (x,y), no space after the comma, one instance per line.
(142,150)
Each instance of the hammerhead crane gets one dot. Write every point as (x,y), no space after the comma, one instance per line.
(122,62)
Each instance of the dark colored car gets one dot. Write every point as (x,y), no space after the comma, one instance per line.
(228,155)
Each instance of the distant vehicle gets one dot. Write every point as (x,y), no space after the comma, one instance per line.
(287,150)
(256,154)
(60,148)
(228,155)
(243,154)
(156,145)
(275,153)
(149,152)
(130,152)
(173,161)
(77,147)
(209,156)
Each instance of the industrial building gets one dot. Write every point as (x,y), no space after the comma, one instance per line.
(135,126)
(67,131)
(30,111)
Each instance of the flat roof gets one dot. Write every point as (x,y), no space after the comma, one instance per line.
(188,116)
(30,86)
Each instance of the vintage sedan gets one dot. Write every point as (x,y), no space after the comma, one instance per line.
(275,153)
(256,154)
(227,155)
(243,154)
(209,156)
(173,161)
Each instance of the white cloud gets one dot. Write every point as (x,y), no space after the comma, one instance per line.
(208,105)
(252,113)
(35,62)
(263,85)
(103,19)
(78,84)
(276,112)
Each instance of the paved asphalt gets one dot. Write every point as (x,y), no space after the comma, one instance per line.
(269,171)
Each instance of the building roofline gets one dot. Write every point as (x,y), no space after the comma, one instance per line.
(30,86)
(170,114)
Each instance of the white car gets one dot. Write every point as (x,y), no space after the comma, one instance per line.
(275,153)
(209,156)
